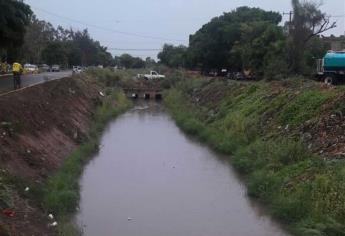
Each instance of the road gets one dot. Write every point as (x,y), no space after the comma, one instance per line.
(6,83)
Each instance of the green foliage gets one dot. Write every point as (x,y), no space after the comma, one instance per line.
(299,188)
(305,106)
(259,45)
(67,228)
(127,61)
(308,22)
(211,46)
(105,76)
(55,53)
(45,44)
(173,56)
(38,34)
(14,16)
(61,193)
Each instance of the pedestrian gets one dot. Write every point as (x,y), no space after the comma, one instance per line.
(17,71)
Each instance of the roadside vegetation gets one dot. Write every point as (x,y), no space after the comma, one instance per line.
(258,126)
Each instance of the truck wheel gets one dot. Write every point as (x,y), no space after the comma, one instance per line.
(329,80)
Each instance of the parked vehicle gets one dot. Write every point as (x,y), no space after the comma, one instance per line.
(44,68)
(30,69)
(331,69)
(236,75)
(77,69)
(55,68)
(223,72)
(152,75)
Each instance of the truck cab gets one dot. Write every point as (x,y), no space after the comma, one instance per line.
(151,75)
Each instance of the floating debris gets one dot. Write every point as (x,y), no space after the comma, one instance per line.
(54,224)
(51,216)
(9,213)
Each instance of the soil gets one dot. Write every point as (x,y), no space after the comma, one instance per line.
(39,127)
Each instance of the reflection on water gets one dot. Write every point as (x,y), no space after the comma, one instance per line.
(149,179)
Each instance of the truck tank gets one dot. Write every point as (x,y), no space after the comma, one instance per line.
(334,61)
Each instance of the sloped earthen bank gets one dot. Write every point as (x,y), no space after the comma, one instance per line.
(40,127)
(286,137)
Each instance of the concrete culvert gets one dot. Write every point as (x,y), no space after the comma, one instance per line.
(158,96)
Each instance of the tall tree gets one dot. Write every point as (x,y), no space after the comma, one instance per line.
(260,44)
(308,22)
(211,46)
(38,35)
(173,56)
(55,53)
(128,61)
(14,17)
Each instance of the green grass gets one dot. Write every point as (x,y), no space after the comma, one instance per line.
(299,188)
(305,106)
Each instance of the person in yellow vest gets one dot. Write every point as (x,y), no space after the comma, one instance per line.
(17,71)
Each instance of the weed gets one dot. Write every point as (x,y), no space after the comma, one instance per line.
(299,188)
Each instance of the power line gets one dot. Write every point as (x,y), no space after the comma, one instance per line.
(291,13)
(107,29)
(134,49)
(337,16)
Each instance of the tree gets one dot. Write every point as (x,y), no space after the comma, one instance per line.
(128,61)
(211,46)
(173,56)
(38,34)
(150,62)
(91,52)
(14,17)
(261,43)
(55,53)
(308,22)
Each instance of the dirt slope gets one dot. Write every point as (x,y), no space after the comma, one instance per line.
(39,127)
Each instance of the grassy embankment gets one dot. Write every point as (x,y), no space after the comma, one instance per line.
(61,193)
(256,124)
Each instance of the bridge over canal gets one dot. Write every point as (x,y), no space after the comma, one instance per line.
(142,90)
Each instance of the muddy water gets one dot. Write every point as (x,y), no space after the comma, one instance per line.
(149,179)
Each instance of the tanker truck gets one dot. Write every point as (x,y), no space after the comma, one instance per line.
(331,69)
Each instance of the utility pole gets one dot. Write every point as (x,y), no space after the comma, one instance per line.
(290,18)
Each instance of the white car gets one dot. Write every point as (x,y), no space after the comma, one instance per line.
(31,69)
(77,69)
(55,68)
(152,75)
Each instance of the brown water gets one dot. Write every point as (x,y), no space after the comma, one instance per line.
(149,179)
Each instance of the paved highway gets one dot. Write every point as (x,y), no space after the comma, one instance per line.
(6,82)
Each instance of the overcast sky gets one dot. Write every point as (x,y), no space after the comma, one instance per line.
(148,24)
